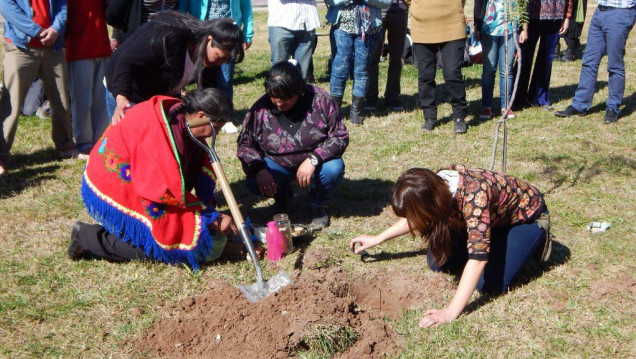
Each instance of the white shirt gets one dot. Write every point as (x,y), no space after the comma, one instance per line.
(452,178)
(293,14)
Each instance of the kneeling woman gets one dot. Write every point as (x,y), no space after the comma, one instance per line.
(138,181)
(294,132)
(487,222)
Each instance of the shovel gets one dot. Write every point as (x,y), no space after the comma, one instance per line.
(262,288)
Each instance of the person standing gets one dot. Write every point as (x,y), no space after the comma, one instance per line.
(34,42)
(439,26)
(394,27)
(573,36)
(292,31)
(87,49)
(357,32)
(496,32)
(548,20)
(611,24)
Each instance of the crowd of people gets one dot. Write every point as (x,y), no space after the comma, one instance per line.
(120,103)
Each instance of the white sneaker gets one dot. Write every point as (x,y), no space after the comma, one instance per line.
(229,128)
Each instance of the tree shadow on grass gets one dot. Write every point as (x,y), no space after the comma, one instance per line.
(566,171)
(630,106)
(354,198)
(566,92)
(25,171)
(388,256)
(241,77)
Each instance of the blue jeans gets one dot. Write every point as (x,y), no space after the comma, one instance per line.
(546,34)
(350,49)
(111,104)
(88,110)
(297,44)
(324,181)
(510,249)
(494,50)
(607,35)
(225,80)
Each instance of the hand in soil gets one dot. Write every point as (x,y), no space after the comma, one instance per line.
(365,242)
(435,317)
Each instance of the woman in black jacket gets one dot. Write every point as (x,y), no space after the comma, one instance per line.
(168,53)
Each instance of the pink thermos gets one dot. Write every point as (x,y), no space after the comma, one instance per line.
(275,242)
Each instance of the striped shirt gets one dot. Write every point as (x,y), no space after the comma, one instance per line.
(624,4)
(150,7)
(293,15)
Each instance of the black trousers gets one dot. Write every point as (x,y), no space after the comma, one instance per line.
(394,29)
(452,53)
(99,243)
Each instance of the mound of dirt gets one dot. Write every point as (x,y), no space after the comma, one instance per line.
(324,304)
(221,323)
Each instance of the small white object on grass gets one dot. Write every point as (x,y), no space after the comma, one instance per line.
(598,226)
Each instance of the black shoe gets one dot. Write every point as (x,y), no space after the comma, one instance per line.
(429,124)
(460,126)
(569,111)
(610,116)
(355,115)
(569,55)
(74,251)
(319,217)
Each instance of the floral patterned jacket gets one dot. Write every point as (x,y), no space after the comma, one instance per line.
(490,199)
(321,131)
(550,9)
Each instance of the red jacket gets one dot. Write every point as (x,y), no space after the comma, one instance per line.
(86,32)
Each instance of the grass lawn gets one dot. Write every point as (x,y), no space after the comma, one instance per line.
(582,305)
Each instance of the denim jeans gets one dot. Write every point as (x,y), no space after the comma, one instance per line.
(546,33)
(510,249)
(111,103)
(350,49)
(324,181)
(394,26)
(494,50)
(607,35)
(225,80)
(298,44)
(88,110)
(452,59)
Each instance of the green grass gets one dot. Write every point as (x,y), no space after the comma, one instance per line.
(53,307)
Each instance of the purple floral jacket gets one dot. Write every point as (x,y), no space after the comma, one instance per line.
(322,132)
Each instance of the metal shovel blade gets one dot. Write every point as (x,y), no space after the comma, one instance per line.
(259,290)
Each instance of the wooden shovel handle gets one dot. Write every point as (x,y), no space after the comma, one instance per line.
(227,192)
(198,122)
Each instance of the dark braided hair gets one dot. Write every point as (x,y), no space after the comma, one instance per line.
(213,102)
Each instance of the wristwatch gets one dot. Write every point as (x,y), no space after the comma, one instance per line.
(314,160)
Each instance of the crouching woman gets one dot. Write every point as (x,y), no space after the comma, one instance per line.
(138,181)
(485,225)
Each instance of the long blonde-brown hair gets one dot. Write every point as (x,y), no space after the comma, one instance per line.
(423,198)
